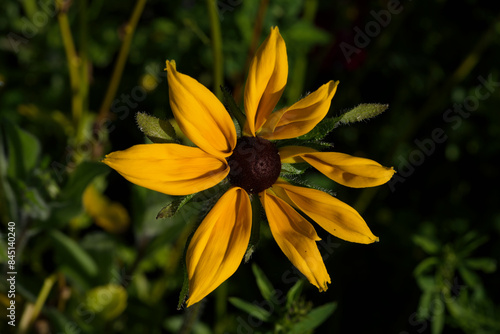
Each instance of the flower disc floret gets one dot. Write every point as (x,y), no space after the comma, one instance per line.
(254,165)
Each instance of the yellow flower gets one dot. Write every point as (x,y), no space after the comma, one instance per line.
(252,165)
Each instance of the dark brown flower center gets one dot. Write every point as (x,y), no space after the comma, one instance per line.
(254,165)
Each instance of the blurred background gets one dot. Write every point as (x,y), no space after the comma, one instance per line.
(90,255)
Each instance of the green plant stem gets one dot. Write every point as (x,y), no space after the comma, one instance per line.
(216,47)
(257,31)
(73,64)
(129,30)
(296,86)
(190,317)
(33,313)
(84,63)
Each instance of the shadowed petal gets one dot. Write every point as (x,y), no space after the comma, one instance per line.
(334,216)
(297,239)
(200,115)
(342,168)
(301,117)
(168,168)
(266,81)
(219,244)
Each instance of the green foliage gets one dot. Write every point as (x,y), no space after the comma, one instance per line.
(435,269)
(440,277)
(295,316)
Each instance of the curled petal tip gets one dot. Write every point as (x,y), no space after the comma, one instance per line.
(171,63)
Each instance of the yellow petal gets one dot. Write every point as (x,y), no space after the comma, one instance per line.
(302,116)
(266,81)
(333,215)
(297,239)
(200,115)
(169,168)
(292,154)
(219,244)
(342,168)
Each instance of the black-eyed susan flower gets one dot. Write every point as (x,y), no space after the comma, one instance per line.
(252,165)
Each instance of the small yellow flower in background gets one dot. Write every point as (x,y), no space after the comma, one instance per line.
(252,164)
(109,215)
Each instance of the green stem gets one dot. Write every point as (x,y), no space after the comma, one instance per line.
(296,86)
(73,64)
(122,58)
(190,317)
(257,30)
(33,313)
(216,46)
(84,65)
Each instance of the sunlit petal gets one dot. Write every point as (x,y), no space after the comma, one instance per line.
(219,244)
(301,117)
(292,154)
(169,168)
(334,216)
(200,115)
(297,239)
(266,81)
(342,168)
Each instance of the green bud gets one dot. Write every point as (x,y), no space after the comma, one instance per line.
(107,301)
(362,112)
(158,130)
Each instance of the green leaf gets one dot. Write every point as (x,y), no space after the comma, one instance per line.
(321,130)
(81,177)
(265,286)
(426,283)
(305,34)
(470,278)
(437,320)
(488,265)
(73,254)
(294,293)
(424,265)
(33,204)
(60,323)
(252,309)
(158,130)
(173,207)
(314,318)
(24,150)
(470,242)
(69,201)
(429,245)
(107,302)
(361,112)
(425,303)
(298,168)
